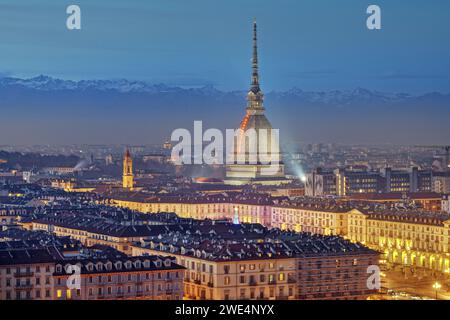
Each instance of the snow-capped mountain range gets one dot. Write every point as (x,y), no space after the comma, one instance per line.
(333,97)
(94,110)
(47,83)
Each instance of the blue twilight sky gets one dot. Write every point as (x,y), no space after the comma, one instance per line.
(313,45)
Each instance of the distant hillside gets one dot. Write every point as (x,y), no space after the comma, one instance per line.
(27,161)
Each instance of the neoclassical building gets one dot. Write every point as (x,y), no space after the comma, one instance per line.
(226,261)
(415,238)
(408,238)
(136,278)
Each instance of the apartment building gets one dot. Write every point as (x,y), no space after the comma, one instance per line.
(43,274)
(251,262)
(379,219)
(339,276)
(252,208)
(357,180)
(415,239)
(27,274)
(150,277)
(317,219)
(10,214)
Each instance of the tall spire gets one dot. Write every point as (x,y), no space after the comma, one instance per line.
(255,75)
(255,96)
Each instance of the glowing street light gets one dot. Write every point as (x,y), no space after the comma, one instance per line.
(436,287)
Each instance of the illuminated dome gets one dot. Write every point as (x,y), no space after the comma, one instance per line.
(255,121)
(207,180)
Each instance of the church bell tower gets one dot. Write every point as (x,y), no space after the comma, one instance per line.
(127,177)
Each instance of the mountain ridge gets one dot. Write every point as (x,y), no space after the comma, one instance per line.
(331,97)
(50,110)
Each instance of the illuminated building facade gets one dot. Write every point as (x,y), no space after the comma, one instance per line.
(343,220)
(223,260)
(26,274)
(207,279)
(10,215)
(296,266)
(326,221)
(413,180)
(251,208)
(350,182)
(409,238)
(345,182)
(40,274)
(136,278)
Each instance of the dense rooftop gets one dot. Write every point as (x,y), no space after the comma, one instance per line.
(222,241)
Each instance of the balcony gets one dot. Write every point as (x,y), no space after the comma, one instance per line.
(24,286)
(197,282)
(252,283)
(210,284)
(292,280)
(23,274)
(271,282)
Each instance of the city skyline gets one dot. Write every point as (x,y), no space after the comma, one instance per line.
(245,155)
